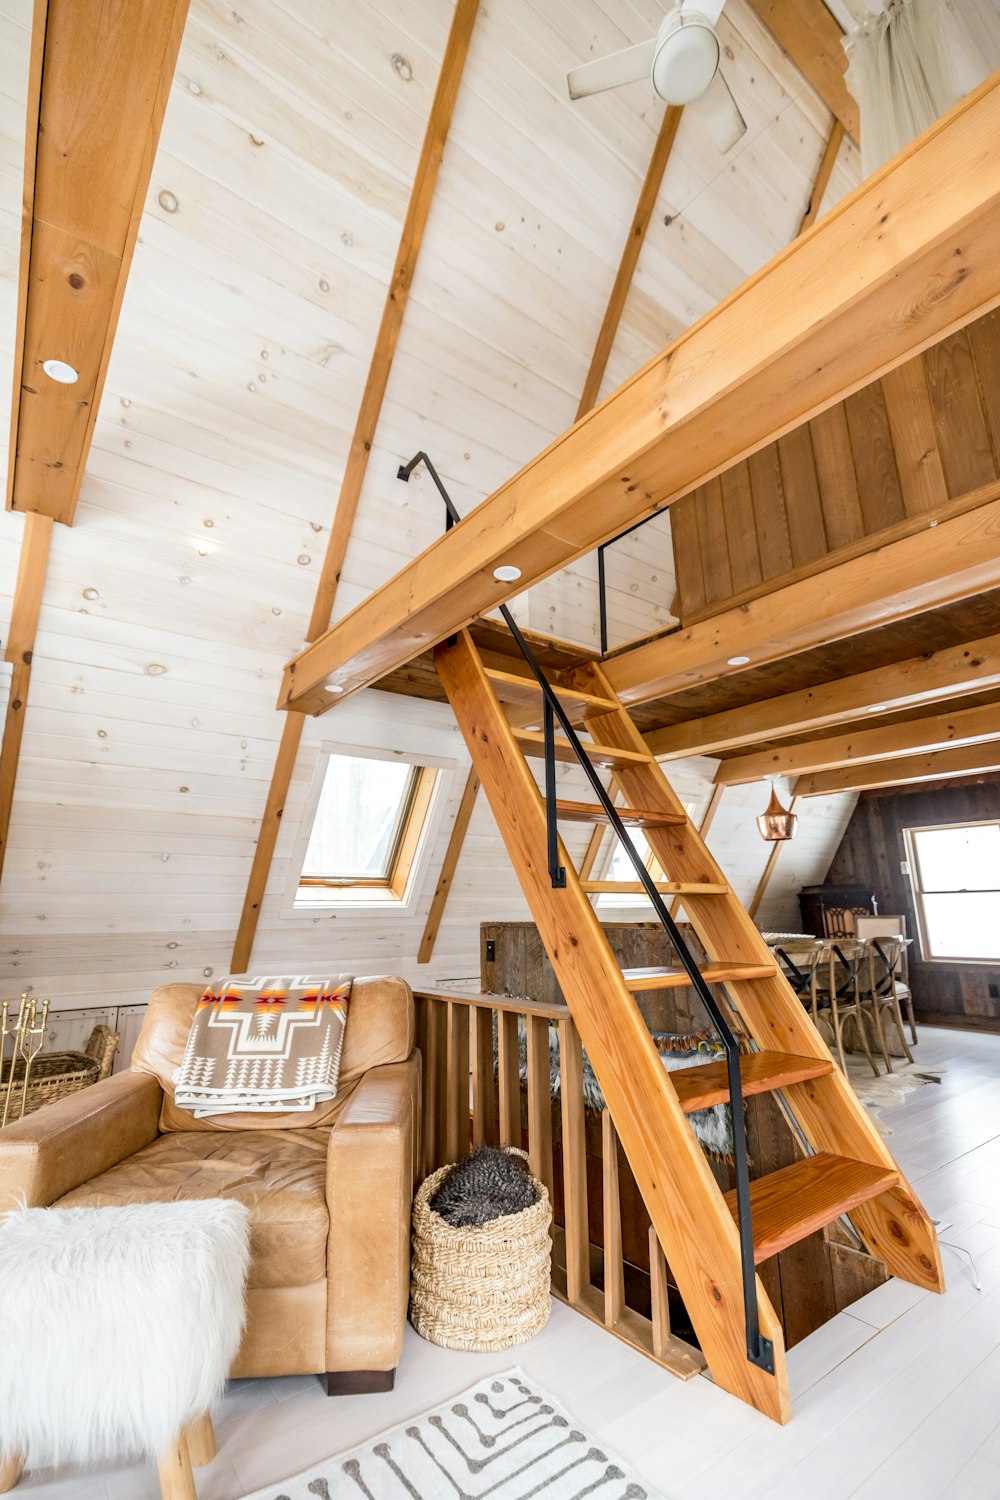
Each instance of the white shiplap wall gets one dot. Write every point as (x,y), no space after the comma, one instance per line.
(263,257)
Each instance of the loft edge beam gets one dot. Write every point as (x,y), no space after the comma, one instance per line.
(955,671)
(99,80)
(906,259)
(934,567)
(969,726)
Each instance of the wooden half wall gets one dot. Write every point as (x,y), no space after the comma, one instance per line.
(887,460)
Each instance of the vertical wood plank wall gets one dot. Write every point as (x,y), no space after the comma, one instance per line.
(871,852)
(889,457)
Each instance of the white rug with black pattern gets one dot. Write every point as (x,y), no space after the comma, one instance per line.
(503,1439)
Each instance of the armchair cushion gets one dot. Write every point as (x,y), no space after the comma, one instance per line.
(380,1030)
(280,1176)
(64,1144)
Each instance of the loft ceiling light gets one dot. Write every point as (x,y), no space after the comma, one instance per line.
(737,661)
(777,822)
(60,371)
(334,687)
(506,573)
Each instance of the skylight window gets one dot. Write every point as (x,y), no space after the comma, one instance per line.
(369,820)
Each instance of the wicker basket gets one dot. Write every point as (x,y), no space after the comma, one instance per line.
(56,1074)
(482,1287)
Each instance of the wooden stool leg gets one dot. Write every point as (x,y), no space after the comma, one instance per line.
(11,1469)
(201,1440)
(176,1478)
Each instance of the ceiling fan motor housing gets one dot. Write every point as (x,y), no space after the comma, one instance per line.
(686,57)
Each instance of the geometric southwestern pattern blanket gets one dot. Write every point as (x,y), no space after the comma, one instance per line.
(266,1043)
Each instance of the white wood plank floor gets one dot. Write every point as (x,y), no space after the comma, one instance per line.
(899,1397)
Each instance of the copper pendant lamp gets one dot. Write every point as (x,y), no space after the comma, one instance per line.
(777,822)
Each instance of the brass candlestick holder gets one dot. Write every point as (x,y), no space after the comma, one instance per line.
(27,1036)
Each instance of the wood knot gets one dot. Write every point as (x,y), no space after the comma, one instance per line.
(75,280)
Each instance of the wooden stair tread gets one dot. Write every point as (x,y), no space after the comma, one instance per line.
(674,979)
(514,687)
(532,742)
(632,817)
(795,1202)
(665,887)
(760,1073)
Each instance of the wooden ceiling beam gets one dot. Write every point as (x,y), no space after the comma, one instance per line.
(968,726)
(20,650)
(937,566)
(953,672)
(810,35)
(630,258)
(938,765)
(889,271)
(824,171)
(99,80)
(410,240)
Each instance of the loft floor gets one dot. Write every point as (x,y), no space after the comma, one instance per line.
(899,1396)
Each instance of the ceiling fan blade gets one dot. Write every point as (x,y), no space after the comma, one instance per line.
(627,66)
(710,9)
(720,114)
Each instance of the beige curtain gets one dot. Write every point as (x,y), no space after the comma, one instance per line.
(901,76)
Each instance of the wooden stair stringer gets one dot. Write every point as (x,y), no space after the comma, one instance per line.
(688,1210)
(894,1225)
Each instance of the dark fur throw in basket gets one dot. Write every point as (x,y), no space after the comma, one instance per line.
(487,1185)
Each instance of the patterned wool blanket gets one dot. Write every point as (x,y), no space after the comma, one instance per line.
(268,1044)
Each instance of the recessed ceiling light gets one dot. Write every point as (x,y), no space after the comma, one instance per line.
(57,369)
(506,573)
(737,661)
(532,728)
(334,687)
(877,708)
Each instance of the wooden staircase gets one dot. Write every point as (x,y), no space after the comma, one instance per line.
(851,1170)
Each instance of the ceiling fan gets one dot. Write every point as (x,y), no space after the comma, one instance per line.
(682,63)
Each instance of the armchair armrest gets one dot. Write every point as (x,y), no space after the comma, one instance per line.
(65,1144)
(369,1192)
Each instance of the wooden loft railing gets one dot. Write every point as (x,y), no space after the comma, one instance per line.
(892,269)
(471,1098)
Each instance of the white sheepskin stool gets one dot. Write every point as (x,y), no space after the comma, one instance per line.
(117,1330)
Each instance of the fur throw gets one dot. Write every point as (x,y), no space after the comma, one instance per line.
(487,1185)
(117,1325)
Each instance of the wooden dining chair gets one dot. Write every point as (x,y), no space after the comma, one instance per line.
(834,988)
(881,992)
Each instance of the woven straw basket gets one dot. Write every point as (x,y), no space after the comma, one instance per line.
(481,1287)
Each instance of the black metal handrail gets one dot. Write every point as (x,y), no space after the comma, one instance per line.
(760,1350)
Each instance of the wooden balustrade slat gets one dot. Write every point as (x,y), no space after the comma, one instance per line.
(457,1079)
(510,1079)
(614,1270)
(659,1295)
(485,1130)
(539,1101)
(435,1083)
(574,1156)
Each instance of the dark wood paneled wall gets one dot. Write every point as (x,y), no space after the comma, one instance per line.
(872,851)
(884,461)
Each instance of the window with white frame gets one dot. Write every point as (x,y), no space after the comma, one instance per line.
(369,821)
(955,875)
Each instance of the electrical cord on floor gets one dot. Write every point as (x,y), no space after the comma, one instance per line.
(972,1264)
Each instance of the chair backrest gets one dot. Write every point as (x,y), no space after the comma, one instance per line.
(885,925)
(885,956)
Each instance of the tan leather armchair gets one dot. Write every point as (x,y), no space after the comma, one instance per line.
(329,1194)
